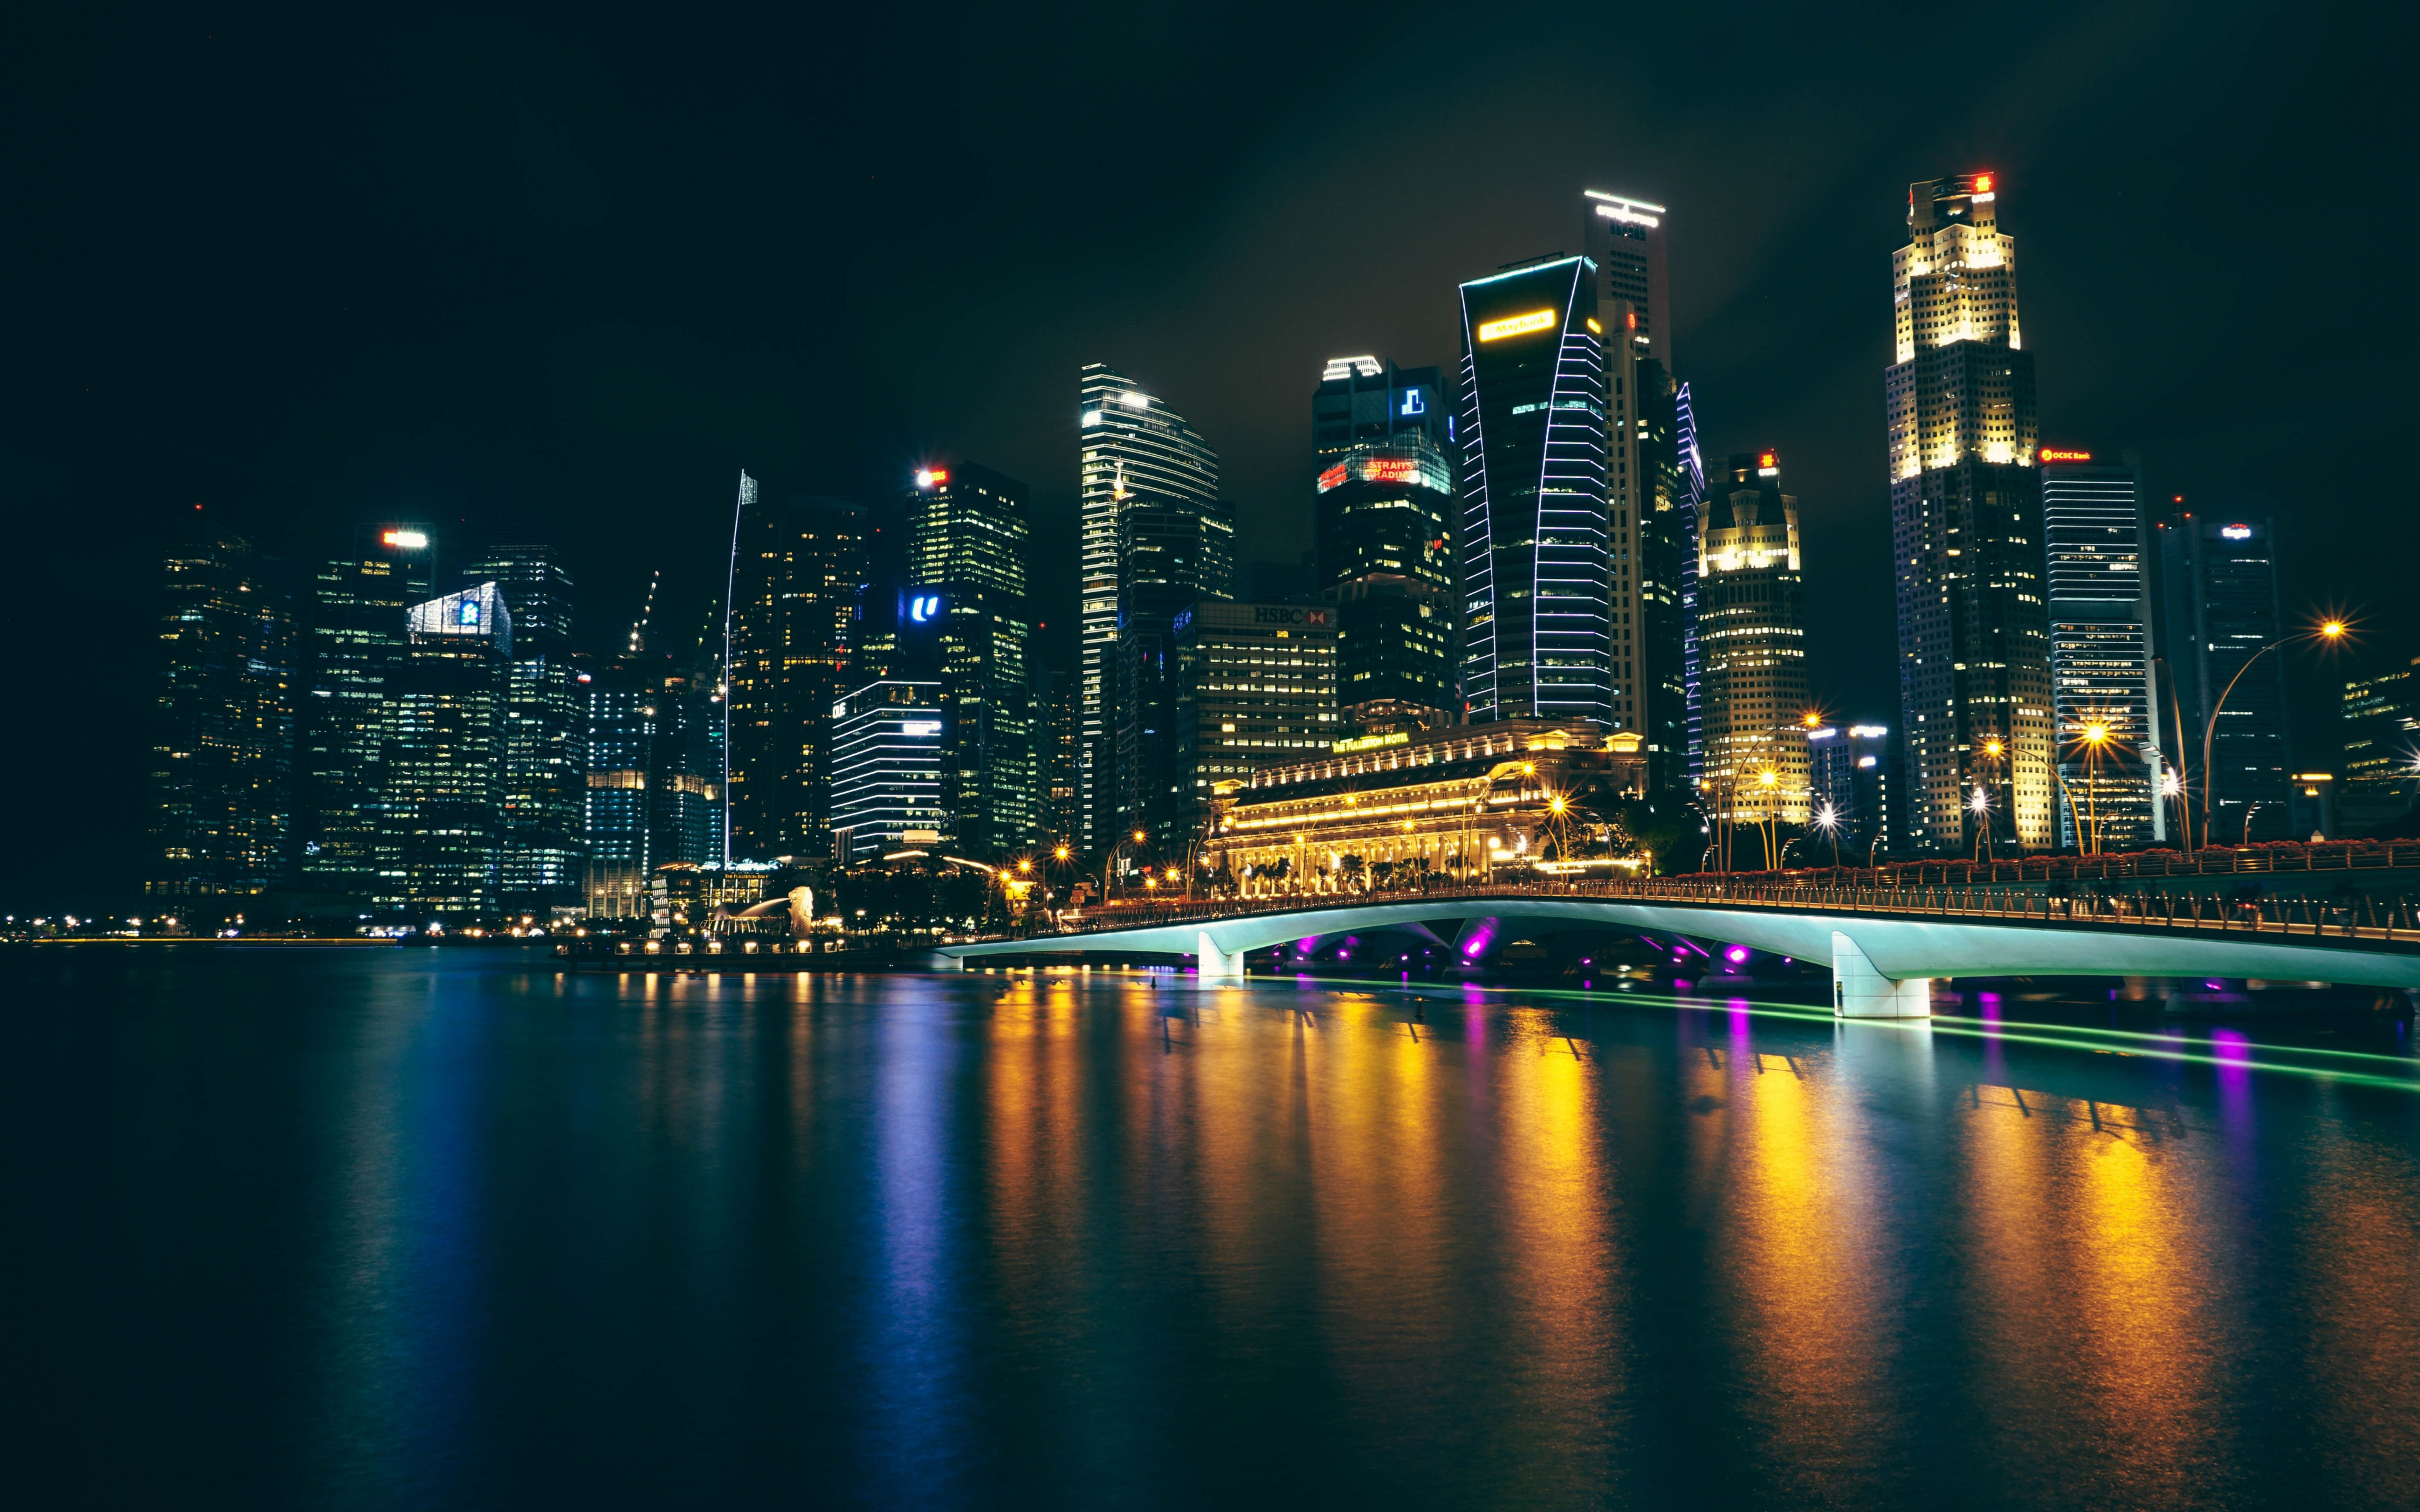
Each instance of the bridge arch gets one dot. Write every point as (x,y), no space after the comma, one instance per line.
(1882,966)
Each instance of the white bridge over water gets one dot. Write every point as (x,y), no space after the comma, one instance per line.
(1885,944)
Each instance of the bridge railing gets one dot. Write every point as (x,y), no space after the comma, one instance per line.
(2351,921)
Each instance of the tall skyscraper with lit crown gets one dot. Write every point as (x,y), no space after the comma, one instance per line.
(1752,640)
(1649,525)
(1974,635)
(1134,453)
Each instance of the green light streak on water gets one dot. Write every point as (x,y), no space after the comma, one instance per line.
(2056,1037)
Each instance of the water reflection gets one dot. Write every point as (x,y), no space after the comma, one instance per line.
(1055,1241)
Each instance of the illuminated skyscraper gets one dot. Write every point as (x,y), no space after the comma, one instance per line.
(1648,526)
(967,557)
(1752,643)
(798,567)
(545,767)
(1625,239)
(1257,687)
(1168,559)
(222,748)
(2101,652)
(1135,452)
(887,770)
(1383,542)
(357,636)
(1534,549)
(442,722)
(1692,483)
(2218,592)
(1361,401)
(1974,633)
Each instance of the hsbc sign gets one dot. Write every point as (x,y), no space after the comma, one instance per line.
(1287,614)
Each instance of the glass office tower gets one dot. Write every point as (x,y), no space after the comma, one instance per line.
(441,723)
(1134,451)
(1384,550)
(2218,591)
(1534,547)
(358,618)
(969,533)
(222,746)
(1624,240)
(545,768)
(2101,653)
(798,567)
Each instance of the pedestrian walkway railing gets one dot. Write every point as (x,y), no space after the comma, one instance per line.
(2358,921)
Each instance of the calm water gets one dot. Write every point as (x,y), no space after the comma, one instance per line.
(423,1230)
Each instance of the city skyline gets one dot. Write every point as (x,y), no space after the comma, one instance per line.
(487,456)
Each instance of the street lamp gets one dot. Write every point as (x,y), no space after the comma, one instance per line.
(2330,632)
(2095,739)
(1770,781)
(1827,819)
(1979,804)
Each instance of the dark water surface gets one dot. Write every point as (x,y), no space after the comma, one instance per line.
(425,1230)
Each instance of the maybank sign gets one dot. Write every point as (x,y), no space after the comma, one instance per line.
(1339,747)
(1516,325)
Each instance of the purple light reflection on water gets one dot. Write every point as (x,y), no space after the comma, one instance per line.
(2232,1049)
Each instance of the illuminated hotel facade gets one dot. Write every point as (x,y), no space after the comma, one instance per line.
(1133,451)
(1461,802)
(2101,652)
(1752,644)
(1974,632)
(1535,548)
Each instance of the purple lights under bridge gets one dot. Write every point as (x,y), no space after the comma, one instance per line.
(1885,944)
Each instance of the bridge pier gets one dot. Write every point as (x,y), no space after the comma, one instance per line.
(1214,963)
(1859,991)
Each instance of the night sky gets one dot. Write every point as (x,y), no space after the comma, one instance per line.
(559,275)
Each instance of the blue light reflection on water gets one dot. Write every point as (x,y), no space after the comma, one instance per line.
(493,1238)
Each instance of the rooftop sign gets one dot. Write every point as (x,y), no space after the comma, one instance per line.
(1517,325)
